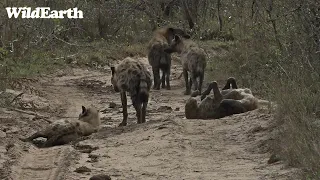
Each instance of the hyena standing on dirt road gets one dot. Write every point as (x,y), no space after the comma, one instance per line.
(158,58)
(193,60)
(64,131)
(132,76)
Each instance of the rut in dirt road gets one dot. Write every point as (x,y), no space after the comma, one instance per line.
(49,164)
(167,146)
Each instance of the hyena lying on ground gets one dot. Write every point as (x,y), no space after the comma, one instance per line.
(193,60)
(64,131)
(224,103)
(160,60)
(132,76)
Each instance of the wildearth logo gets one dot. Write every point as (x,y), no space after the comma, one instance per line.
(43,12)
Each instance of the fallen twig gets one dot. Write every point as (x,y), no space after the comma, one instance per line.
(28,112)
(19,95)
(71,44)
(64,57)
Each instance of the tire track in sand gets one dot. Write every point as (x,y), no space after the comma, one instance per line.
(43,164)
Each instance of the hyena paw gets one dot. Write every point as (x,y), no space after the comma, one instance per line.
(187,92)
(195,93)
(156,88)
(122,124)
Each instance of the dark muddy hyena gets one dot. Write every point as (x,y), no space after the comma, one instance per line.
(64,131)
(193,60)
(225,103)
(132,76)
(158,58)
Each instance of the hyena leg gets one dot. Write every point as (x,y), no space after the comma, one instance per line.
(51,141)
(168,72)
(137,107)
(231,82)
(207,92)
(194,81)
(34,136)
(185,75)
(55,140)
(201,81)
(67,138)
(156,77)
(163,79)
(124,108)
(144,111)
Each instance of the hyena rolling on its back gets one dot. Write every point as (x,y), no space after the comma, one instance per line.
(225,103)
(193,61)
(64,131)
(158,58)
(132,76)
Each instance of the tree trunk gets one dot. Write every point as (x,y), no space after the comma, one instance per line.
(187,14)
(219,14)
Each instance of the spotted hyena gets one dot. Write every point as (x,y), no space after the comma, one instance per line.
(193,60)
(158,58)
(64,131)
(132,76)
(224,103)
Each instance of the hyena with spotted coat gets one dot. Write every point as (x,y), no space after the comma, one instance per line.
(230,100)
(64,131)
(158,58)
(132,76)
(193,60)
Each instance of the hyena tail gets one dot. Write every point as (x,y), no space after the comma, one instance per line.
(200,69)
(143,91)
(165,58)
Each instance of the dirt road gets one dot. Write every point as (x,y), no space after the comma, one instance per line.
(166,147)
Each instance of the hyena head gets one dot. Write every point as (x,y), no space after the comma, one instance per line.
(113,79)
(176,45)
(90,115)
(172,32)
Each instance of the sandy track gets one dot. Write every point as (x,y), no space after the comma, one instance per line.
(50,164)
(166,147)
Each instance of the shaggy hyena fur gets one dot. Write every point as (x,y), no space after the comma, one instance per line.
(132,76)
(158,58)
(224,103)
(193,60)
(64,131)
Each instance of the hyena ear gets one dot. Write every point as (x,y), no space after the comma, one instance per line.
(187,36)
(170,34)
(180,32)
(170,31)
(176,38)
(84,110)
(113,70)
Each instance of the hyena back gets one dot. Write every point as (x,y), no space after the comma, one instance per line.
(193,61)
(64,131)
(132,76)
(158,58)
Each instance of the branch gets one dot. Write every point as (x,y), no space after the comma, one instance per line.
(64,57)
(29,113)
(19,95)
(70,44)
